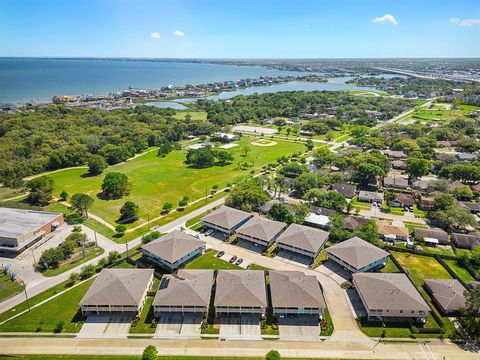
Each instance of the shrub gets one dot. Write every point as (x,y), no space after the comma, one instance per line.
(87,272)
(346,285)
(120,229)
(273,355)
(150,353)
(150,237)
(58,327)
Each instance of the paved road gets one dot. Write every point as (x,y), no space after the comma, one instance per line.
(327,349)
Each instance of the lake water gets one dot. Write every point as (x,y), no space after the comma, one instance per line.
(23,80)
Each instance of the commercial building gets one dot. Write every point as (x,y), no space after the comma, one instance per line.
(188,291)
(240,292)
(117,291)
(226,220)
(390,297)
(173,249)
(303,240)
(20,229)
(294,292)
(260,231)
(448,294)
(357,255)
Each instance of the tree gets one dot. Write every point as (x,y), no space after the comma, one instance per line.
(471,313)
(164,148)
(323,156)
(329,199)
(150,353)
(113,256)
(452,219)
(463,193)
(96,164)
(273,355)
(305,182)
(279,212)
(300,212)
(247,195)
(87,272)
(50,258)
(369,232)
(366,173)
(129,212)
(73,278)
(167,207)
(115,185)
(81,203)
(293,169)
(417,167)
(41,189)
(338,231)
(64,195)
(120,229)
(309,143)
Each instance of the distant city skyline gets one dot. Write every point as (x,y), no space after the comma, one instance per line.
(240,29)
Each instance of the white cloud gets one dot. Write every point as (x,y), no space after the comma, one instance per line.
(465,22)
(155,35)
(178,33)
(385,19)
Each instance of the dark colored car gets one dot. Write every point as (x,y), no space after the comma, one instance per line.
(220,254)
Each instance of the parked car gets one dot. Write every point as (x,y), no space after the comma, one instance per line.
(232,260)
(209,232)
(239,261)
(196,236)
(220,254)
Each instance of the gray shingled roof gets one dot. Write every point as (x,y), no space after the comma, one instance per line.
(261,228)
(348,190)
(387,291)
(226,217)
(118,287)
(303,237)
(241,288)
(186,288)
(295,289)
(357,252)
(173,246)
(435,233)
(447,292)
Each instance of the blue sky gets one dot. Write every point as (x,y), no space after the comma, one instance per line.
(240,29)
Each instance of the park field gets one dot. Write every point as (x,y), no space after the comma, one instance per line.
(156,180)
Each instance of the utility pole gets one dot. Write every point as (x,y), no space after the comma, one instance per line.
(126,246)
(26,295)
(33,254)
(95,234)
(148,220)
(206,195)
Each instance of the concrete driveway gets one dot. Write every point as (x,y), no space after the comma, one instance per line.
(106,326)
(178,326)
(299,328)
(244,327)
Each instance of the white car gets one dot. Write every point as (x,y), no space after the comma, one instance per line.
(209,232)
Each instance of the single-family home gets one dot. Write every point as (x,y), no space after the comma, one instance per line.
(348,190)
(173,249)
(390,232)
(402,200)
(370,196)
(357,255)
(466,241)
(395,182)
(295,293)
(430,235)
(466,157)
(318,220)
(473,207)
(265,207)
(390,297)
(420,185)
(448,294)
(399,164)
(302,240)
(396,154)
(353,223)
(187,291)
(426,203)
(117,291)
(260,231)
(240,292)
(226,220)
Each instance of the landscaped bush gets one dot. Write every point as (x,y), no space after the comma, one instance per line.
(150,237)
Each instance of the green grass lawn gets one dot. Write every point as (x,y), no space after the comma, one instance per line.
(146,324)
(320,259)
(421,267)
(47,317)
(257,267)
(7,193)
(460,271)
(439,250)
(210,261)
(8,287)
(90,253)
(156,180)
(196,115)
(390,267)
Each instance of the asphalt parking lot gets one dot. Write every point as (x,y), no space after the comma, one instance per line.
(299,328)
(226,257)
(244,326)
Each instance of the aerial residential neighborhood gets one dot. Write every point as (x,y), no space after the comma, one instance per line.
(239,180)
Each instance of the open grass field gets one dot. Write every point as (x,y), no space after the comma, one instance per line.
(210,261)
(156,180)
(196,115)
(421,267)
(7,193)
(47,317)
(8,288)
(460,271)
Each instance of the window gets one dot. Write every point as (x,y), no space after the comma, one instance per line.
(401,311)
